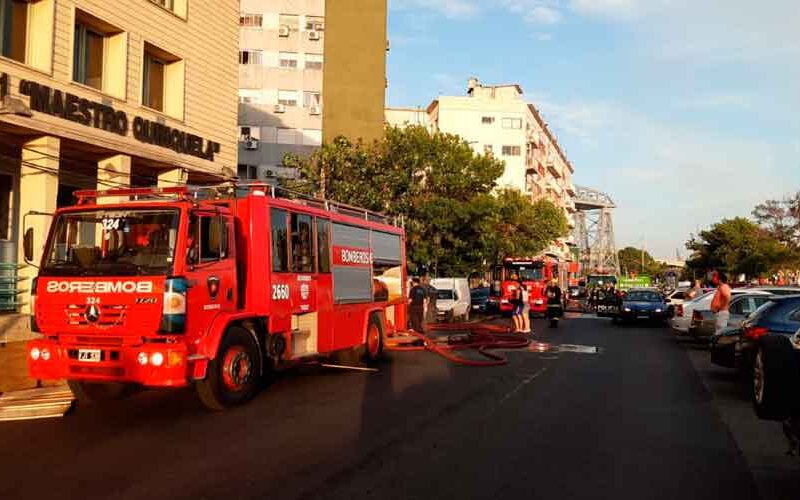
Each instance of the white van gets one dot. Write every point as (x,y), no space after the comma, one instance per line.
(452,299)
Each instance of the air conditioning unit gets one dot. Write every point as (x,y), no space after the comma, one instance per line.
(251,144)
(319,26)
(314,110)
(269,173)
(313,35)
(283,31)
(280,108)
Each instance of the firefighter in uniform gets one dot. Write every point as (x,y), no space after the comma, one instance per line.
(417,298)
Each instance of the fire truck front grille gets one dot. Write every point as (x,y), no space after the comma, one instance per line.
(109,315)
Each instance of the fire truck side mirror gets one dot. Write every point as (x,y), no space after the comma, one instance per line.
(191,256)
(27,245)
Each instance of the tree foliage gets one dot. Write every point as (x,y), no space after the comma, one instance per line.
(739,246)
(781,219)
(630,261)
(441,189)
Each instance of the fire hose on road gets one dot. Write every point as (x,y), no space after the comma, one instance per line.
(479,337)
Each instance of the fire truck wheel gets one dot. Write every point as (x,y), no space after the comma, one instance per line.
(95,392)
(374,344)
(233,375)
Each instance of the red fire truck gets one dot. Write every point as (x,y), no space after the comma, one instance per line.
(178,286)
(534,273)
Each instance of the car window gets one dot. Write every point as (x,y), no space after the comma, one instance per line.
(738,306)
(766,306)
(678,296)
(795,316)
(444,294)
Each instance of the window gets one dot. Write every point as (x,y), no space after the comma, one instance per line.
(488,149)
(315,23)
(291,21)
(244,99)
(6,184)
(88,57)
(487,120)
(176,6)
(213,239)
(162,81)
(13,29)
(512,151)
(311,99)
(251,20)
(738,307)
(513,123)
(247,172)
(313,61)
(287,60)
(323,246)
(247,133)
(530,180)
(280,244)
(287,136)
(251,56)
(287,97)
(153,82)
(302,244)
(312,137)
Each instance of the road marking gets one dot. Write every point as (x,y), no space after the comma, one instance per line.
(527,380)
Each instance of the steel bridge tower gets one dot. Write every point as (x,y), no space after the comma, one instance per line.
(594,232)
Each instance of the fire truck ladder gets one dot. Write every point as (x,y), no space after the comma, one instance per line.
(234,190)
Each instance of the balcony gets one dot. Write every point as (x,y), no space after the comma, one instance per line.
(551,167)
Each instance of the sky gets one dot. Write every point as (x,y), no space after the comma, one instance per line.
(683,111)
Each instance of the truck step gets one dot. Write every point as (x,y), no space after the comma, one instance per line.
(46,402)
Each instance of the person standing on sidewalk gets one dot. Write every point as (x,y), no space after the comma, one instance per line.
(721,301)
(417,298)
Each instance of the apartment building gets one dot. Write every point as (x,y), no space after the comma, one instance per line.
(106,94)
(307,72)
(496,120)
(405,117)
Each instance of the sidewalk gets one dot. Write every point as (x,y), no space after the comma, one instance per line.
(14,331)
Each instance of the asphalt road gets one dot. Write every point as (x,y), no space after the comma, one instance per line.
(639,419)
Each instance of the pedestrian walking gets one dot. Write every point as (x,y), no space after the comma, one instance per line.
(721,301)
(555,309)
(430,305)
(417,299)
(515,290)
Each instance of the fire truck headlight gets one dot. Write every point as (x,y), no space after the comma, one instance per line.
(156,359)
(35,353)
(46,354)
(142,358)
(538,302)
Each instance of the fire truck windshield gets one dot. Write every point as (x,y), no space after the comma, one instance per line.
(531,272)
(112,242)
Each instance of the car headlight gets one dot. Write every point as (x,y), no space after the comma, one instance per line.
(538,302)
(627,309)
(658,310)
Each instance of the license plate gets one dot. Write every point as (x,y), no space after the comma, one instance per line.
(90,355)
(643,316)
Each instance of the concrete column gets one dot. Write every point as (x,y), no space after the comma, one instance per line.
(38,190)
(112,172)
(173,177)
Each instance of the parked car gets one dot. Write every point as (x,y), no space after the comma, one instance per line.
(453,299)
(483,301)
(682,320)
(643,303)
(778,290)
(704,322)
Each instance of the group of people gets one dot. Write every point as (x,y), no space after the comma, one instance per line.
(521,316)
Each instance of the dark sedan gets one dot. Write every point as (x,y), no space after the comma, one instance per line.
(483,301)
(643,303)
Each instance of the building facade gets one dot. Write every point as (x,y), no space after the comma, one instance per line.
(307,72)
(406,117)
(496,120)
(99,94)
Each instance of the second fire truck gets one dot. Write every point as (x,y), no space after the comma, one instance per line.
(534,273)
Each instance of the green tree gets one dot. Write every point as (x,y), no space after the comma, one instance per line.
(738,246)
(442,190)
(630,261)
(781,218)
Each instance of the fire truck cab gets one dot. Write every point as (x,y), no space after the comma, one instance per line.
(534,273)
(212,287)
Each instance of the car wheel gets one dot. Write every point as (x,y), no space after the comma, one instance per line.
(234,374)
(775,373)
